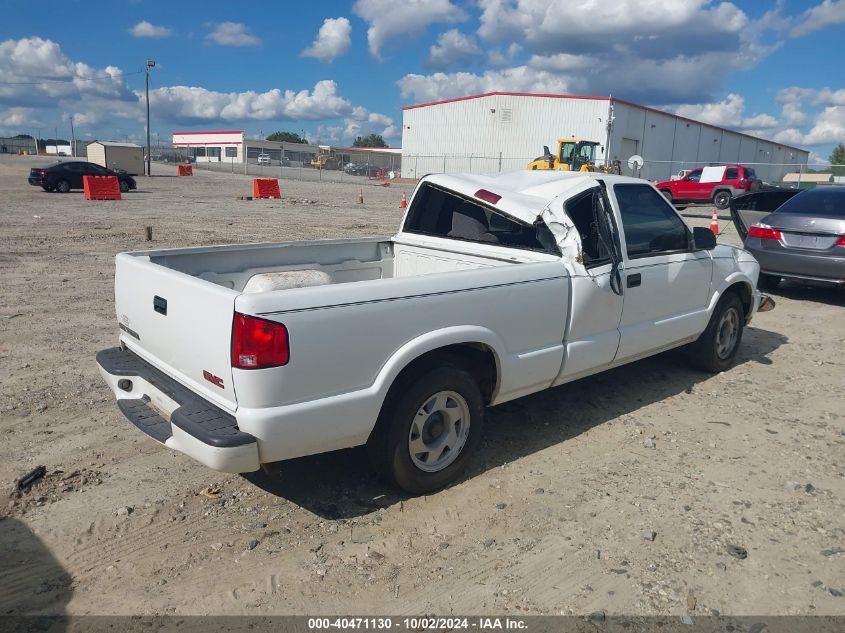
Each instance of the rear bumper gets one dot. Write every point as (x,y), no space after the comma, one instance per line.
(175,416)
(798,265)
(37,182)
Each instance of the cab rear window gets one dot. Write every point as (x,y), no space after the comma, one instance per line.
(441,213)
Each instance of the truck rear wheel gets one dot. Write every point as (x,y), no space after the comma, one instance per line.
(716,348)
(428,429)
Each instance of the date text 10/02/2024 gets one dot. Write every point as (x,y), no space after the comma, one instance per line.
(417,624)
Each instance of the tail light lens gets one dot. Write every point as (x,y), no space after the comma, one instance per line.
(840,241)
(764,232)
(258,343)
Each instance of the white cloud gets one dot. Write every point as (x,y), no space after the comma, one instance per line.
(561,62)
(13,118)
(828,13)
(731,113)
(389,19)
(232,34)
(107,102)
(188,103)
(147,29)
(452,48)
(439,86)
(723,113)
(34,72)
(499,58)
(828,127)
(363,123)
(333,40)
(565,25)
(645,50)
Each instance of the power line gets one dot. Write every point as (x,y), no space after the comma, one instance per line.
(68,79)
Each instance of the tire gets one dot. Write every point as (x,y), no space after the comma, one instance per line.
(768,282)
(667,194)
(415,416)
(722,199)
(62,186)
(124,186)
(716,348)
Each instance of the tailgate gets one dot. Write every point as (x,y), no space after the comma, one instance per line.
(178,323)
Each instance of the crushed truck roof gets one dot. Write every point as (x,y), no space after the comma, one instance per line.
(525,194)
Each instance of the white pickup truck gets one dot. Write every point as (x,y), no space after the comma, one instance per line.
(494,288)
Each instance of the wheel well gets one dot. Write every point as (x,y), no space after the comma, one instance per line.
(743,291)
(476,358)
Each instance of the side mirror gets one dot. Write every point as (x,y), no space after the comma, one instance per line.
(703,239)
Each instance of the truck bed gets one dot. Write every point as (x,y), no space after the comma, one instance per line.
(304,264)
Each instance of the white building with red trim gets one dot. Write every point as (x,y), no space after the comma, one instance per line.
(212,146)
(504,131)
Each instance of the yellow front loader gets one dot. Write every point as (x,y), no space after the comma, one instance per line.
(572,155)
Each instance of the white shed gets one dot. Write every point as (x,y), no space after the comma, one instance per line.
(504,131)
(126,156)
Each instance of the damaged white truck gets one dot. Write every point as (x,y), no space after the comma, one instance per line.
(494,288)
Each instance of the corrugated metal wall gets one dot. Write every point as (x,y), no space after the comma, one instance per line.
(669,144)
(496,133)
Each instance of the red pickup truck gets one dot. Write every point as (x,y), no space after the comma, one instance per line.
(719,184)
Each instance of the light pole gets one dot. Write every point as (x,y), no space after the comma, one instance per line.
(150,64)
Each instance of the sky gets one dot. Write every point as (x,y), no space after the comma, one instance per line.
(335,70)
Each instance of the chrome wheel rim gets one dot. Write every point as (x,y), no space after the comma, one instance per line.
(439,431)
(727,333)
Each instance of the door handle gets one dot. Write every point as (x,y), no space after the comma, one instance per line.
(634,280)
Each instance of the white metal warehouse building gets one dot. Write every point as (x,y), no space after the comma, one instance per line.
(504,131)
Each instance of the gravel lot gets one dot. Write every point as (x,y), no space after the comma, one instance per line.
(567,509)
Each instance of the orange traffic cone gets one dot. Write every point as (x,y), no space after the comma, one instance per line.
(361,196)
(403,204)
(714,223)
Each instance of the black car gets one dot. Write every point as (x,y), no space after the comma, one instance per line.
(62,176)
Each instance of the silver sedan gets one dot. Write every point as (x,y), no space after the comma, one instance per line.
(802,239)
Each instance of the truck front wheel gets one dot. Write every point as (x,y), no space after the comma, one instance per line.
(722,199)
(715,349)
(428,429)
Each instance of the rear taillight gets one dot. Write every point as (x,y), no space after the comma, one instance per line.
(764,232)
(840,241)
(258,343)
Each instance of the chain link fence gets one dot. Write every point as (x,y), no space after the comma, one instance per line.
(418,165)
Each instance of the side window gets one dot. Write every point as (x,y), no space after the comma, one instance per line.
(231,152)
(731,173)
(651,226)
(694,176)
(749,173)
(442,213)
(581,211)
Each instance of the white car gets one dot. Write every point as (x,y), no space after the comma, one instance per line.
(493,288)
(263,159)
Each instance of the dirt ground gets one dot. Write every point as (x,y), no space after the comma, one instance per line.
(566,510)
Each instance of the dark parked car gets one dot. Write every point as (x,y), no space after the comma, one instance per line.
(62,176)
(794,234)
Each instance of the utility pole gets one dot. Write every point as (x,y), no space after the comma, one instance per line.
(150,64)
(72,138)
